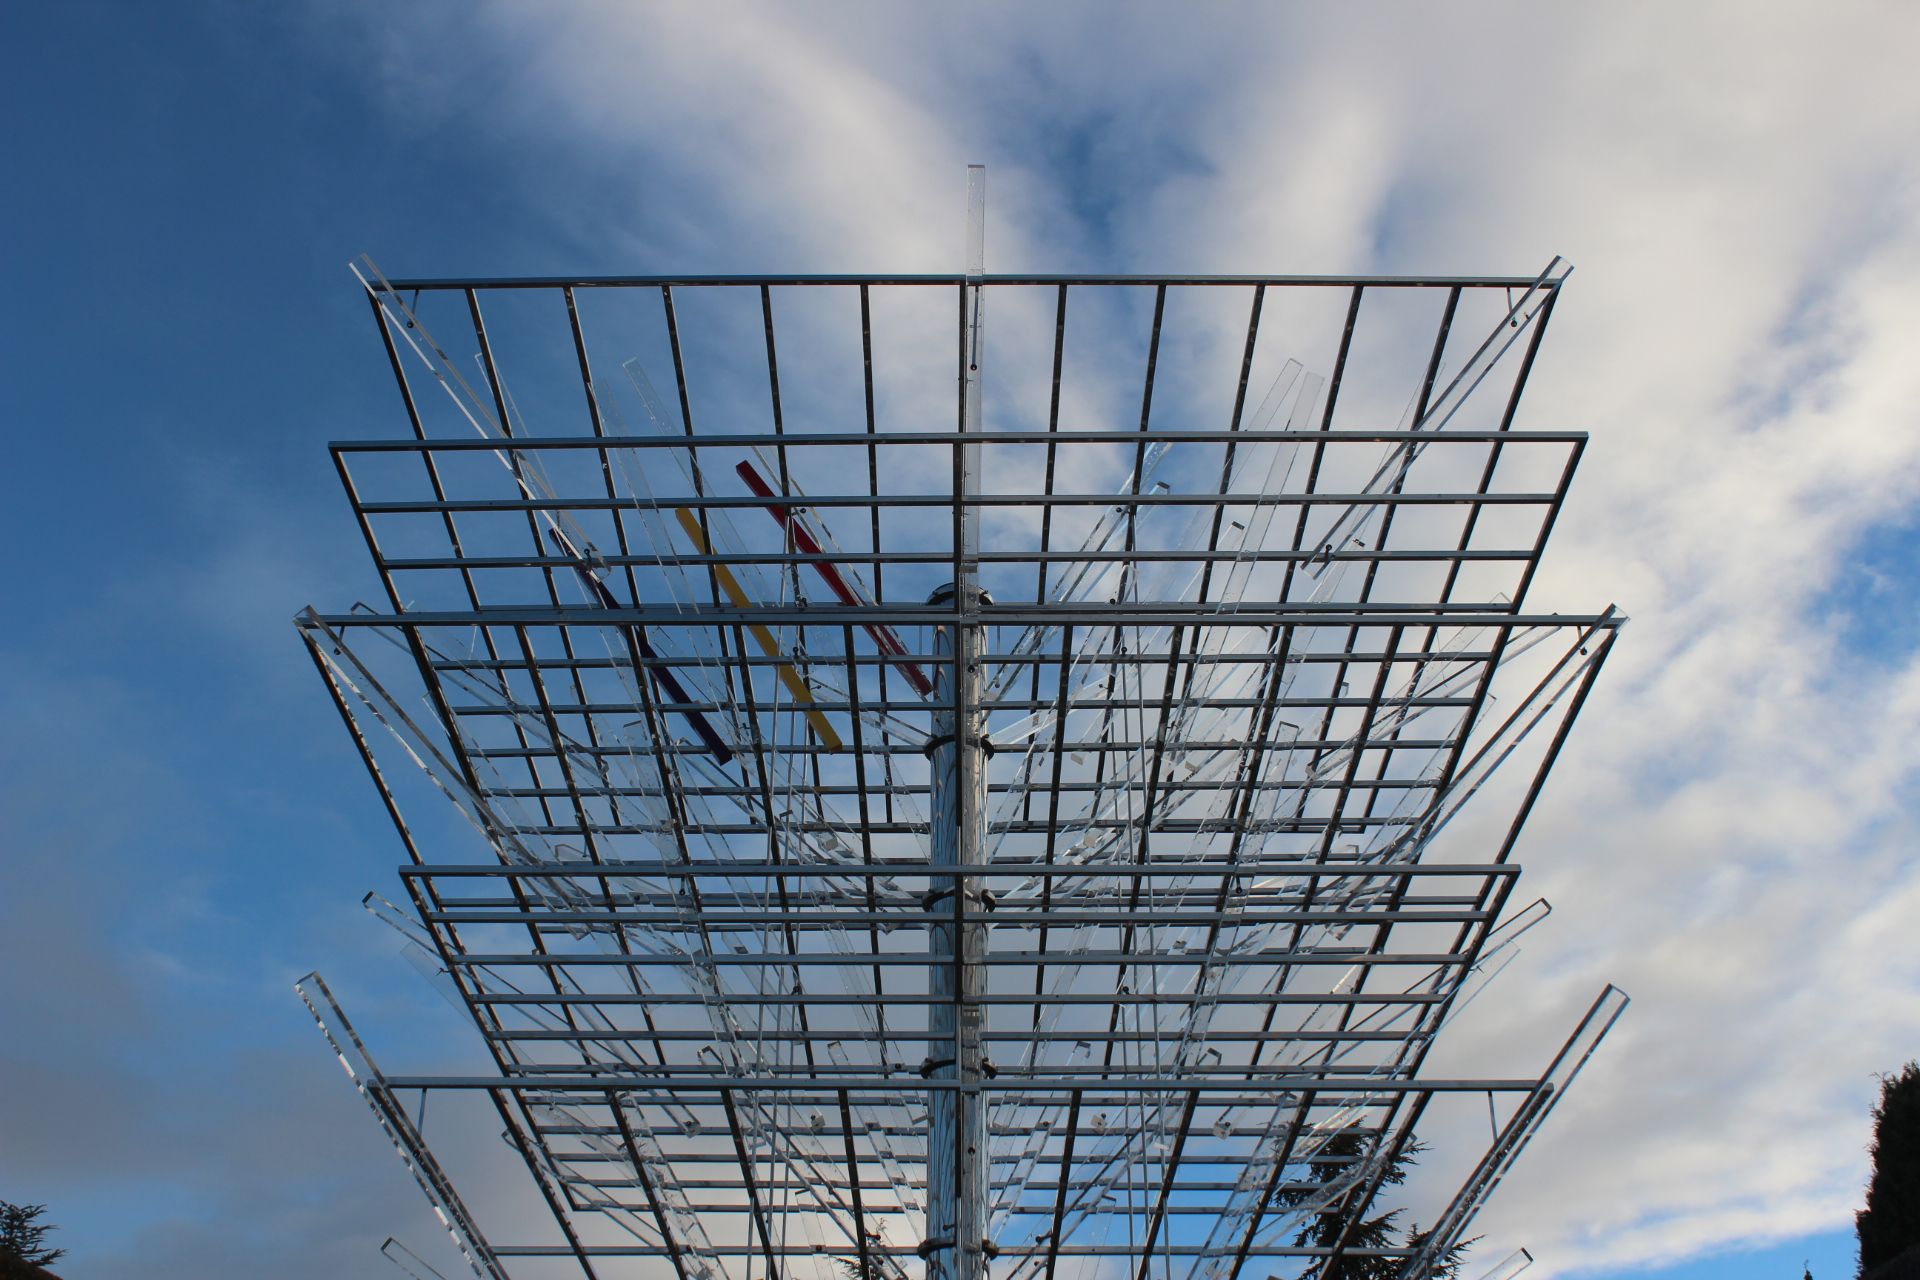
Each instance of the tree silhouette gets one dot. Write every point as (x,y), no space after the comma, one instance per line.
(1324,1229)
(23,1237)
(1890,1224)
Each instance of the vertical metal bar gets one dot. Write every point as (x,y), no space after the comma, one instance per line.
(956,1133)
(1060,1186)
(1319,446)
(879,566)
(1359,1201)
(1493,462)
(853,1184)
(1420,412)
(528,1146)
(957,1163)
(1153,364)
(1046,513)
(971,1162)
(633,593)
(753,1189)
(1166,1184)
(859,746)
(1605,642)
(1066,663)
(1059,752)
(646,1185)
(1278,1176)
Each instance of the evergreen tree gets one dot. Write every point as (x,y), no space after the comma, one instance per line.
(1890,1224)
(875,1268)
(23,1237)
(1324,1228)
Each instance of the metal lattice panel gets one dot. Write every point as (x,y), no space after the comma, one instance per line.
(859,791)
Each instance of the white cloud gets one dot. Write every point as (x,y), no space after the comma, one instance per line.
(1730,834)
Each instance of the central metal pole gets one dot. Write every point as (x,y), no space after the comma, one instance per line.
(957,1131)
(957,1158)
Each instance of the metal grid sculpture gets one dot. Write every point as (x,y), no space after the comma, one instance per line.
(997,845)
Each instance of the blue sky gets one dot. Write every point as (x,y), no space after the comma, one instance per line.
(185,830)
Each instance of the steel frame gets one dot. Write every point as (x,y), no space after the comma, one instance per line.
(1216,713)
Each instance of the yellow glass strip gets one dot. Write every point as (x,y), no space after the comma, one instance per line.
(789,675)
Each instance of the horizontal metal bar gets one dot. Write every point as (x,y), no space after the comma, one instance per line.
(1037,826)
(972,501)
(996,1128)
(690,1158)
(802,906)
(1005,959)
(1004,1251)
(994,658)
(1173,1036)
(477,709)
(1025,913)
(1203,893)
(426,284)
(1161,827)
(919,1000)
(1182,788)
(1282,555)
(1088,1078)
(1121,745)
(1328,1099)
(914,917)
(1084,616)
(893,867)
(1268,786)
(721,439)
(678,1087)
(1212,1208)
(999,1126)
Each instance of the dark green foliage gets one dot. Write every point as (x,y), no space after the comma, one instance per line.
(1448,1264)
(1378,1232)
(1890,1224)
(875,1269)
(23,1238)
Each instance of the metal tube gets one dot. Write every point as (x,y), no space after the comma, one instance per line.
(956,1134)
(957,1159)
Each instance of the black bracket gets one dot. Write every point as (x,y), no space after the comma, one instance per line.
(931,899)
(940,740)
